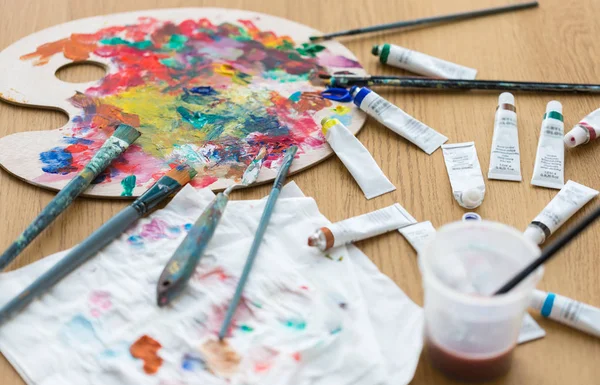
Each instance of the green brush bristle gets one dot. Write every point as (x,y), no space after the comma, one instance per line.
(126,133)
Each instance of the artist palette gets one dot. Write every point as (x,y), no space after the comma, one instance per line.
(207,86)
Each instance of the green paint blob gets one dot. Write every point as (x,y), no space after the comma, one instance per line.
(246,328)
(177,42)
(295,324)
(135,44)
(128,184)
(172,63)
(309,49)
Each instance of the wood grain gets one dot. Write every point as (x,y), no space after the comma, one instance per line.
(556,42)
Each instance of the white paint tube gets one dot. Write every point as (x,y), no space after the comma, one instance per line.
(418,235)
(421,63)
(572,197)
(505,160)
(464,172)
(356,158)
(549,169)
(567,311)
(361,227)
(425,137)
(585,131)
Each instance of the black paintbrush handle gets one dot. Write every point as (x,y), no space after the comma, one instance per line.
(427,20)
(550,251)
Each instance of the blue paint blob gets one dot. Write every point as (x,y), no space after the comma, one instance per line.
(57,161)
(135,240)
(204,90)
(192,363)
(71,140)
(174,229)
(187,226)
(295,97)
(78,331)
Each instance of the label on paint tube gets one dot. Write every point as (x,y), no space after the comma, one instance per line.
(571,198)
(418,235)
(421,63)
(549,169)
(585,131)
(505,159)
(464,171)
(397,120)
(361,227)
(357,159)
(567,311)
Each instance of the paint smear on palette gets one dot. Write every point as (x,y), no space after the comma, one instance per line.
(146,349)
(209,94)
(220,358)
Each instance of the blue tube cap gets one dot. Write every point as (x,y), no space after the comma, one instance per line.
(364,91)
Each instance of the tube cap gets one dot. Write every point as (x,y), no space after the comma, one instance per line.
(535,234)
(506,98)
(576,136)
(471,217)
(359,94)
(472,198)
(554,105)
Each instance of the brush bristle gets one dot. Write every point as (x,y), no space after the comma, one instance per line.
(183,173)
(126,133)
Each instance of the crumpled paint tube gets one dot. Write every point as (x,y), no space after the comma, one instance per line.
(505,160)
(420,134)
(418,235)
(549,169)
(572,197)
(585,131)
(464,172)
(361,227)
(356,158)
(421,63)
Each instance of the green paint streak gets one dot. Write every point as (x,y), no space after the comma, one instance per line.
(328,256)
(295,324)
(134,44)
(177,42)
(336,330)
(340,259)
(128,184)
(310,50)
(246,328)
(172,63)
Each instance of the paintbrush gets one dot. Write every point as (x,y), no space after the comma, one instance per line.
(167,185)
(550,251)
(455,84)
(427,20)
(260,232)
(114,146)
(182,264)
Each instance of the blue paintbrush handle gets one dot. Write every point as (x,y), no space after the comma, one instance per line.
(182,264)
(78,255)
(260,232)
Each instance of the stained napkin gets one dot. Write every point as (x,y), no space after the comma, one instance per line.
(305,318)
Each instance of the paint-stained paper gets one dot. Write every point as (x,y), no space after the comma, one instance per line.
(305,318)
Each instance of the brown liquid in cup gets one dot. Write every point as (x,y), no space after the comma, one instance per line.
(467,368)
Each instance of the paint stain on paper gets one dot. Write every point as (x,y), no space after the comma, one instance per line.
(192,363)
(79,331)
(220,358)
(146,349)
(99,302)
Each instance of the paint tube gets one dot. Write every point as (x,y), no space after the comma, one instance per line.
(567,311)
(549,169)
(361,227)
(356,158)
(572,197)
(464,172)
(530,330)
(418,235)
(397,120)
(421,63)
(585,131)
(505,160)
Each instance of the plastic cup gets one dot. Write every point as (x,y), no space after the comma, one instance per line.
(469,334)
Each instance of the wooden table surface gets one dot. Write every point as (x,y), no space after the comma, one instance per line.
(556,42)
